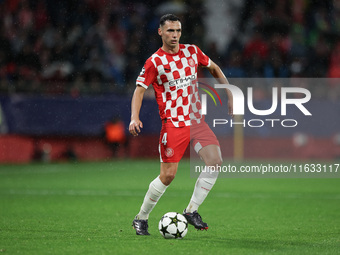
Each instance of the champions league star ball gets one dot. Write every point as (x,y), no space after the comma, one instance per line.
(173,225)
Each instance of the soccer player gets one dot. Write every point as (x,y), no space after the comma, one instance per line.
(172,70)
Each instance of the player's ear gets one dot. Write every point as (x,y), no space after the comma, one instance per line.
(160,31)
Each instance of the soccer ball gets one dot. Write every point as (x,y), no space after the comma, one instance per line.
(173,225)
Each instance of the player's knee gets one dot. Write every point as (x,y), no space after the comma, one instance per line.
(167,178)
(214,161)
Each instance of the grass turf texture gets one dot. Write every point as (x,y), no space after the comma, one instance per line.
(88,208)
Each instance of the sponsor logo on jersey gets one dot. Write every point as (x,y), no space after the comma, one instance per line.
(182,83)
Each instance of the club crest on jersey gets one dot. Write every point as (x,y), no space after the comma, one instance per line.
(191,62)
(169,152)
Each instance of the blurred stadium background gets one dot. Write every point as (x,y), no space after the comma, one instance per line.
(68,70)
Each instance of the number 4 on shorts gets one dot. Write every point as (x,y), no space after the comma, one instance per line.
(164,141)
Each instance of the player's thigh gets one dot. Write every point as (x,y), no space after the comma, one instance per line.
(206,144)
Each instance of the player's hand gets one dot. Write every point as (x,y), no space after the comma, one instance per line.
(230,108)
(135,127)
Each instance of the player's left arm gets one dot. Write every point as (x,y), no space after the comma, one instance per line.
(216,71)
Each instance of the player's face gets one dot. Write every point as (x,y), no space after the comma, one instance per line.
(170,33)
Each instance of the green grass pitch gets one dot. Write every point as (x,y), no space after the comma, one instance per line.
(88,208)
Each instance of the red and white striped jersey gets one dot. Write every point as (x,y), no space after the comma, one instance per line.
(174,78)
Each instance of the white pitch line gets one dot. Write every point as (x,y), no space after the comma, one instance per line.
(127,193)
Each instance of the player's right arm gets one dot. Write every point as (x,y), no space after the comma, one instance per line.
(146,77)
(136,103)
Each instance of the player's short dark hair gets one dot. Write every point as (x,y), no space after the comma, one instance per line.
(168,17)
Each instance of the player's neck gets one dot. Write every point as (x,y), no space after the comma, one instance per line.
(170,50)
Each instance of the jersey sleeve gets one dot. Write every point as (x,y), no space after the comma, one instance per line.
(203,60)
(148,75)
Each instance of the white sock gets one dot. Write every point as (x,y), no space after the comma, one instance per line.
(156,190)
(204,184)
